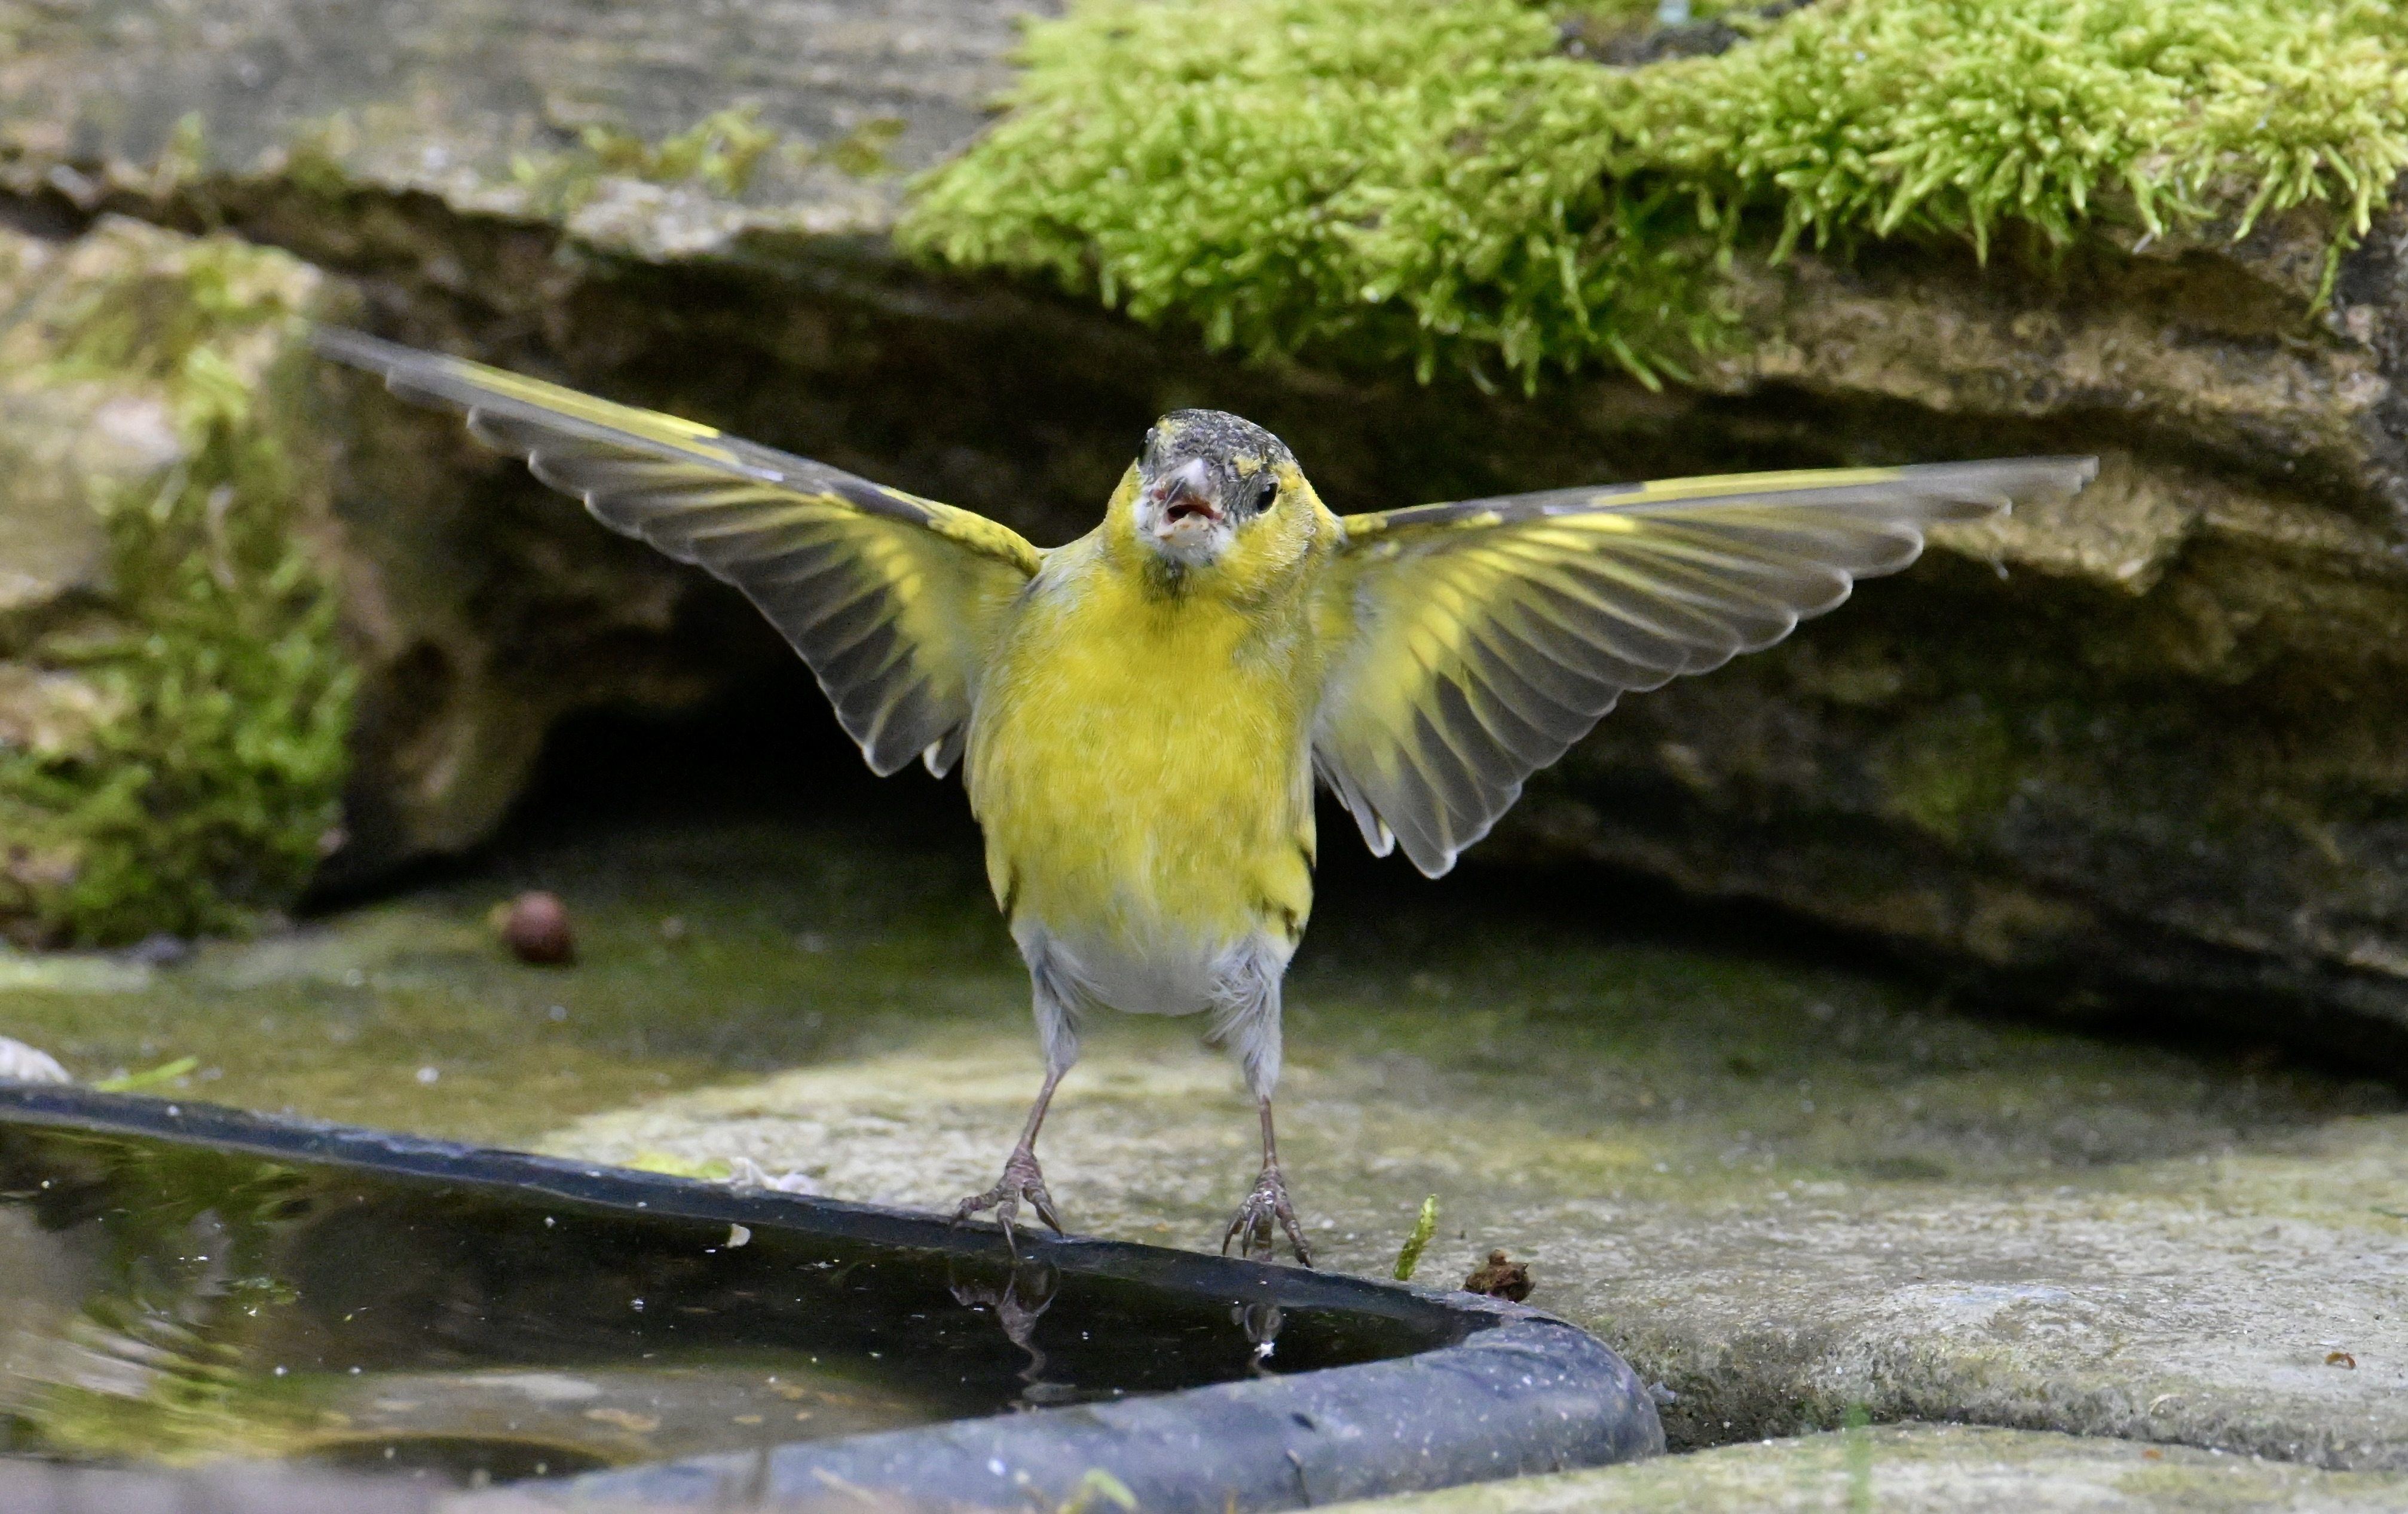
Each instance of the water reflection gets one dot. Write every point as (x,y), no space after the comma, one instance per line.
(174,1302)
(1019,1300)
(1260,1324)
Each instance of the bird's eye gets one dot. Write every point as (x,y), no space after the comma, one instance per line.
(1266,494)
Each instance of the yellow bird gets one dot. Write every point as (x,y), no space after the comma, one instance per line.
(1144,712)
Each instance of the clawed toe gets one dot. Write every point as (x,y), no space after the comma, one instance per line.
(1252,1227)
(1022,1182)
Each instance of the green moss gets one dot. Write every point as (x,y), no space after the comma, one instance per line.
(1418,179)
(205,797)
(1435,179)
(1960,115)
(1409,1256)
(722,152)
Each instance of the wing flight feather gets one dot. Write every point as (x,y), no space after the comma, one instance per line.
(892,599)
(1474,642)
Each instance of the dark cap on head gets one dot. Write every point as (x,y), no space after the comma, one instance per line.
(1225,459)
(1214,436)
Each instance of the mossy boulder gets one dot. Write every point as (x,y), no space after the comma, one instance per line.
(173,701)
(1455,182)
(2143,750)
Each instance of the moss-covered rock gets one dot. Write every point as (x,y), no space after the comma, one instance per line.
(481,177)
(1442,179)
(173,700)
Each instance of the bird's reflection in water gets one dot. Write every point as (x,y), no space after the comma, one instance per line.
(1018,1297)
(1261,1323)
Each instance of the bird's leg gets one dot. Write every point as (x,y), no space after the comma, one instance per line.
(1022,1178)
(1251,1228)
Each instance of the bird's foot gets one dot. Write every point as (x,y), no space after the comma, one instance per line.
(1022,1182)
(1251,1226)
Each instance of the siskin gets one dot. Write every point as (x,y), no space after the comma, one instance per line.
(1141,714)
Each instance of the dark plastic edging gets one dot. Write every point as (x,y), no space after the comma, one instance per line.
(1517,1391)
(1530,1394)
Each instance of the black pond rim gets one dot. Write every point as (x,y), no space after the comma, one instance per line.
(1513,1390)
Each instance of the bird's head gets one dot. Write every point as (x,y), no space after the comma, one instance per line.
(1212,490)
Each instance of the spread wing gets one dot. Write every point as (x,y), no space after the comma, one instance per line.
(1475,642)
(892,599)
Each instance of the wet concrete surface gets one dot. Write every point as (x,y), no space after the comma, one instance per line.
(1928,1469)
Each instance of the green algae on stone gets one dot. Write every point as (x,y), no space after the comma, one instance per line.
(1952,770)
(1437,180)
(204,788)
(705,951)
(721,152)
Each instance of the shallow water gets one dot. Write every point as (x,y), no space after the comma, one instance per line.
(172,1302)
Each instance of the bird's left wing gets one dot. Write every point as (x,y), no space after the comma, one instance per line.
(892,599)
(1472,643)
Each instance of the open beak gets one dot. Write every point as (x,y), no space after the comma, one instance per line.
(1189,507)
(1182,498)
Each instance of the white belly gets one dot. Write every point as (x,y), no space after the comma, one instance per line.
(1166,977)
(1237,981)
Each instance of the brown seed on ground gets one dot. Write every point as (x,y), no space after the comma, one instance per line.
(1501,1277)
(535,929)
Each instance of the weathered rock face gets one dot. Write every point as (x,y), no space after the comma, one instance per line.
(2156,745)
(2159,753)
(432,154)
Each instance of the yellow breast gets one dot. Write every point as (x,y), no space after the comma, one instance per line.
(1139,762)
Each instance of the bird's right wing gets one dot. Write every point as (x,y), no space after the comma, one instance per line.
(892,599)
(1474,642)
